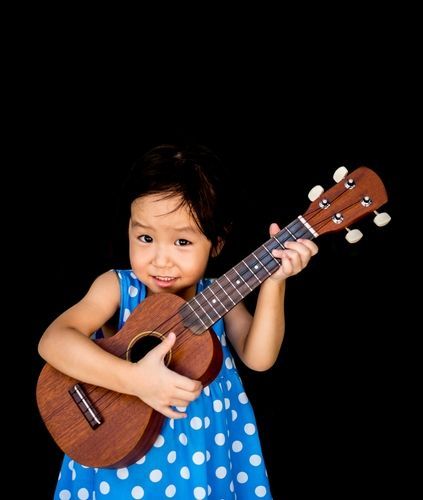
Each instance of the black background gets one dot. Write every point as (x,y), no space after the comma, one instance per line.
(329,411)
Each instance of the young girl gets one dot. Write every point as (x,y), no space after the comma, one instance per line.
(208,446)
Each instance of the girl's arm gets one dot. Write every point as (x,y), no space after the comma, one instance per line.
(66,344)
(67,347)
(257,340)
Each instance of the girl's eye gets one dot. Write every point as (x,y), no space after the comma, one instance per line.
(181,242)
(145,238)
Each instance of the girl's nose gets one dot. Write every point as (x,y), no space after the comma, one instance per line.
(161,257)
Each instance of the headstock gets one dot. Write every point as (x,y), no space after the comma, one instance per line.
(355,195)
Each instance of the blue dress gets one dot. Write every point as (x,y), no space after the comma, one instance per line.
(214,453)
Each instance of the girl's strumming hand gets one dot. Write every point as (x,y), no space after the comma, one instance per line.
(160,387)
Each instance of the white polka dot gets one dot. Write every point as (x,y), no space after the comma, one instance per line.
(133,292)
(227,403)
(231,486)
(221,472)
(208,456)
(156,475)
(196,423)
(206,422)
(242,477)
(249,429)
(172,423)
(64,495)
(104,487)
(71,465)
(206,390)
(185,473)
(126,314)
(223,340)
(237,446)
(170,491)
(228,363)
(217,405)
(228,385)
(132,274)
(255,460)
(122,473)
(183,439)
(198,457)
(243,398)
(181,409)
(219,439)
(208,489)
(73,474)
(83,494)
(260,491)
(199,493)
(234,415)
(141,460)
(171,457)
(159,441)
(137,492)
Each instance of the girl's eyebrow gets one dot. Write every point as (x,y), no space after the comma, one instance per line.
(177,229)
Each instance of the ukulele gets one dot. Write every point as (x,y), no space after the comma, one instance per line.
(101,428)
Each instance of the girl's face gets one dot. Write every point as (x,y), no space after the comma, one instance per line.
(168,252)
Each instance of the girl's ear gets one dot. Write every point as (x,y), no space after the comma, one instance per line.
(218,248)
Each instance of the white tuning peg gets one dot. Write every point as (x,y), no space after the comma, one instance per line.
(315,192)
(340,173)
(381,219)
(353,235)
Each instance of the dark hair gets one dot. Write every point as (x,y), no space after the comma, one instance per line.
(194,173)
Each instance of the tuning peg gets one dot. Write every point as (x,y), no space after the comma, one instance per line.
(353,235)
(381,219)
(315,192)
(340,173)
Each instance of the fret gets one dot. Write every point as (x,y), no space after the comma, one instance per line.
(263,267)
(196,324)
(195,299)
(215,301)
(279,243)
(251,289)
(234,287)
(293,235)
(275,260)
(253,274)
(217,282)
(209,305)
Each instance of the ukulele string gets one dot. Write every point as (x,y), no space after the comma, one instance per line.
(266,260)
(263,256)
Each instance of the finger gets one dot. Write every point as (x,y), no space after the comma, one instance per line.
(185,383)
(165,345)
(179,403)
(187,396)
(167,411)
(310,245)
(274,229)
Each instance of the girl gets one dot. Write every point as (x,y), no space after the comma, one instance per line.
(208,446)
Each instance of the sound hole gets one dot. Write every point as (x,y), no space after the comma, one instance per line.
(143,345)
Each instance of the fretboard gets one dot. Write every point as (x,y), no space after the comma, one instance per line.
(208,306)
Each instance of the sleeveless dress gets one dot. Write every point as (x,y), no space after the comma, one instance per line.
(214,453)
